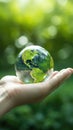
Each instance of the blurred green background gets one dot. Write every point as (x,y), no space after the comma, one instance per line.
(48,23)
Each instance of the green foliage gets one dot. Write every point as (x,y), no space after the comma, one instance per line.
(47,23)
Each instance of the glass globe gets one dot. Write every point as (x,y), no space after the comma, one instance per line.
(34,64)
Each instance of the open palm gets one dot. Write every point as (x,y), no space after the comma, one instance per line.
(14,93)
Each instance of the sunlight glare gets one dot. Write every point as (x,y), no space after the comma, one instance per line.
(21,41)
(23,3)
(62,2)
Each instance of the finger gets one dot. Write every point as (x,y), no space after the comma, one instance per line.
(61,76)
(53,74)
(50,85)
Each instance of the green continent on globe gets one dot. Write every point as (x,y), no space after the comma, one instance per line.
(28,57)
(34,64)
(37,74)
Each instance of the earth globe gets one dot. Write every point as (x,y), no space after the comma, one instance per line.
(34,64)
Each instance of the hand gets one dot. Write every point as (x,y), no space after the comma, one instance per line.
(14,93)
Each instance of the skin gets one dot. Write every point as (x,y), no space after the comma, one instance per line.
(14,93)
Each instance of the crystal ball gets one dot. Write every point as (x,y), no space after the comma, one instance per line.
(34,64)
